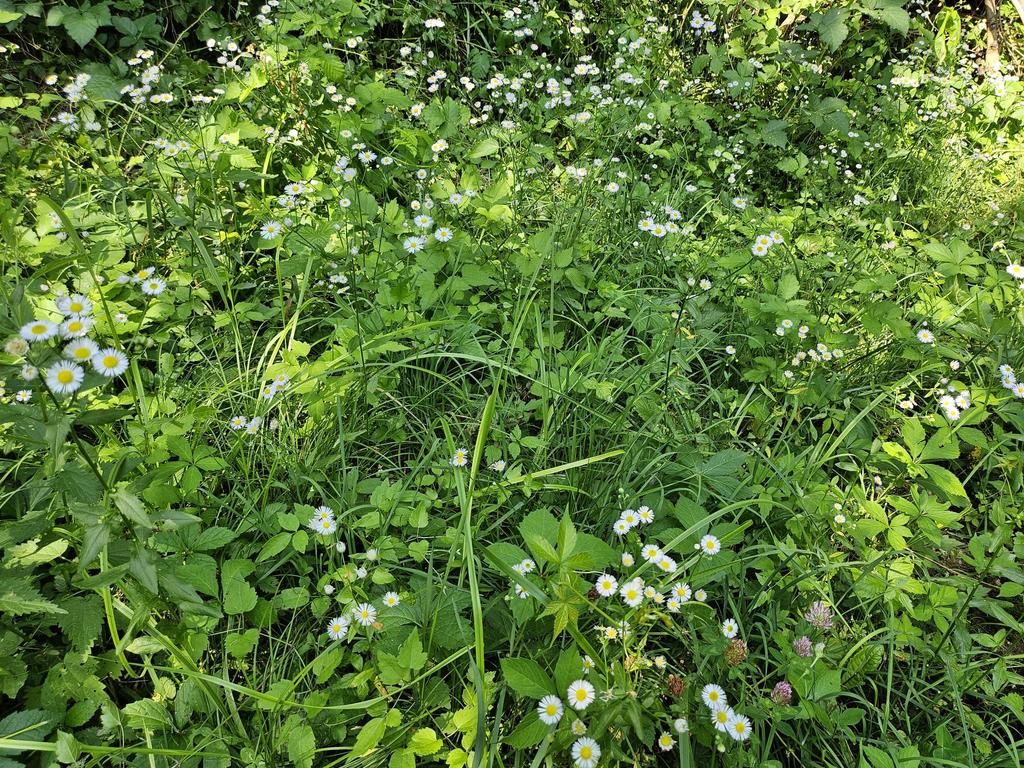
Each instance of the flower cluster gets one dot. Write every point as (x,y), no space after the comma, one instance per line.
(723,717)
(1008,379)
(64,371)
(763,243)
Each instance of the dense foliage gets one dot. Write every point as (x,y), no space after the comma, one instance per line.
(393,383)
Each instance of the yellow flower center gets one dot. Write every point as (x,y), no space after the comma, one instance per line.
(76,307)
(65,376)
(713,696)
(721,716)
(82,353)
(38,329)
(740,727)
(551,709)
(109,361)
(586,753)
(581,694)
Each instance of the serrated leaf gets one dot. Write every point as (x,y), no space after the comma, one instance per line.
(242,644)
(83,620)
(773,133)
(147,715)
(484,148)
(301,745)
(527,678)
(831,27)
(529,733)
(369,737)
(425,742)
(946,482)
(18,597)
(239,596)
(142,566)
(81,26)
(26,725)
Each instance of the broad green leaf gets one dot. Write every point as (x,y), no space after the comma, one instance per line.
(81,26)
(301,745)
(239,597)
(83,620)
(527,678)
(484,148)
(18,596)
(529,733)
(148,715)
(369,737)
(425,742)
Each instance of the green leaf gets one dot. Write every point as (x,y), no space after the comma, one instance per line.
(301,745)
(26,725)
(831,27)
(425,742)
(568,668)
(369,737)
(529,733)
(274,546)
(484,148)
(241,645)
(6,17)
(913,435)
(410,658)
(83,620)
(81,26)
(402,758)
(147,715)
(947,482)
(773,132)
(239,597)
(18,597)
(788,286)
(213,538)
(889,13)
(142,566)
(131,506)
(527,678)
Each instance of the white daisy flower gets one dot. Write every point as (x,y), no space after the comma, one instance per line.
(110,362)
(709,545)
(586,752)
(606,585)
(365,614)
(64,377)
(632,594)
(720,717)
(738,726)
(38,330)
(337,628)
(81,350)
(713,695)
(153,287)
(550,710)
(581,694)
